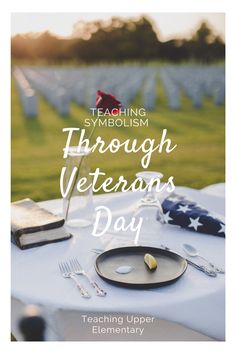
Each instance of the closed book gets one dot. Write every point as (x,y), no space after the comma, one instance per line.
(32,225)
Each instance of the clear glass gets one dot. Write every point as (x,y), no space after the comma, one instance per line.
(149,207)
(78,207)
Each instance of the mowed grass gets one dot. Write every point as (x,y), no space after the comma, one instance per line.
(37,146)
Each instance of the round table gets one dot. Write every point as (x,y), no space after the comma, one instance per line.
(195,301)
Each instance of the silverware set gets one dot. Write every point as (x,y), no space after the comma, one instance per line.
(71,269)
(193,252)
(210,270)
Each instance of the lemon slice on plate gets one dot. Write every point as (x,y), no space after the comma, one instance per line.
(150,261)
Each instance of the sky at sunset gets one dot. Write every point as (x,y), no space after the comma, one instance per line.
(168,25)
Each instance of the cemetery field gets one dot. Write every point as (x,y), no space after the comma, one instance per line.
(37,144)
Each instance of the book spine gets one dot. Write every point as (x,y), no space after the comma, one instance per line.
(32,245)
(15,240)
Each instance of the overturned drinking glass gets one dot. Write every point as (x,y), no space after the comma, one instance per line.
(78,206)
(149,207)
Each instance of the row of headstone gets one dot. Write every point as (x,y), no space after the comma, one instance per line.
(149,92)
(172,90)
(200,82)
(61,85)
(26,93)
(55,94)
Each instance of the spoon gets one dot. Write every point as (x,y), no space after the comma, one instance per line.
(192,252)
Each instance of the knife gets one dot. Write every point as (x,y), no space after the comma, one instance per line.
(202,268)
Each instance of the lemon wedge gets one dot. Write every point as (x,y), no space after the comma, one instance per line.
(150,261)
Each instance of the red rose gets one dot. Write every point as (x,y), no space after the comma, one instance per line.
(107,103)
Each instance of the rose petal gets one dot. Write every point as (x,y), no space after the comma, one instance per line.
(107,102)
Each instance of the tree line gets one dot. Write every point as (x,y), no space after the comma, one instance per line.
(116,41)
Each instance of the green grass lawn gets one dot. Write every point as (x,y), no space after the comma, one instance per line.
(37,146)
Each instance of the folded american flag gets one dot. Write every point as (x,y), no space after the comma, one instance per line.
(190,215)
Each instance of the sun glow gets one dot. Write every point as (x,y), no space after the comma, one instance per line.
(168,25)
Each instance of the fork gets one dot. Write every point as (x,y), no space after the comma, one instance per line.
(77,269)
(67,272)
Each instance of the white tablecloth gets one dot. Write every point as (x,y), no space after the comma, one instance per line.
(195,300)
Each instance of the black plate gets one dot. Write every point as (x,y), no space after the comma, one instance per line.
(171,267)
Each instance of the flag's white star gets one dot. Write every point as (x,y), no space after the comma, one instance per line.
(194,223)
(174,199)
(183,208)
(166,217)
(198,205)
(222,228)
(216,217)
(211,214)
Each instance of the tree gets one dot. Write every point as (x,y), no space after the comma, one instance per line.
(205,46)
(118,40)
